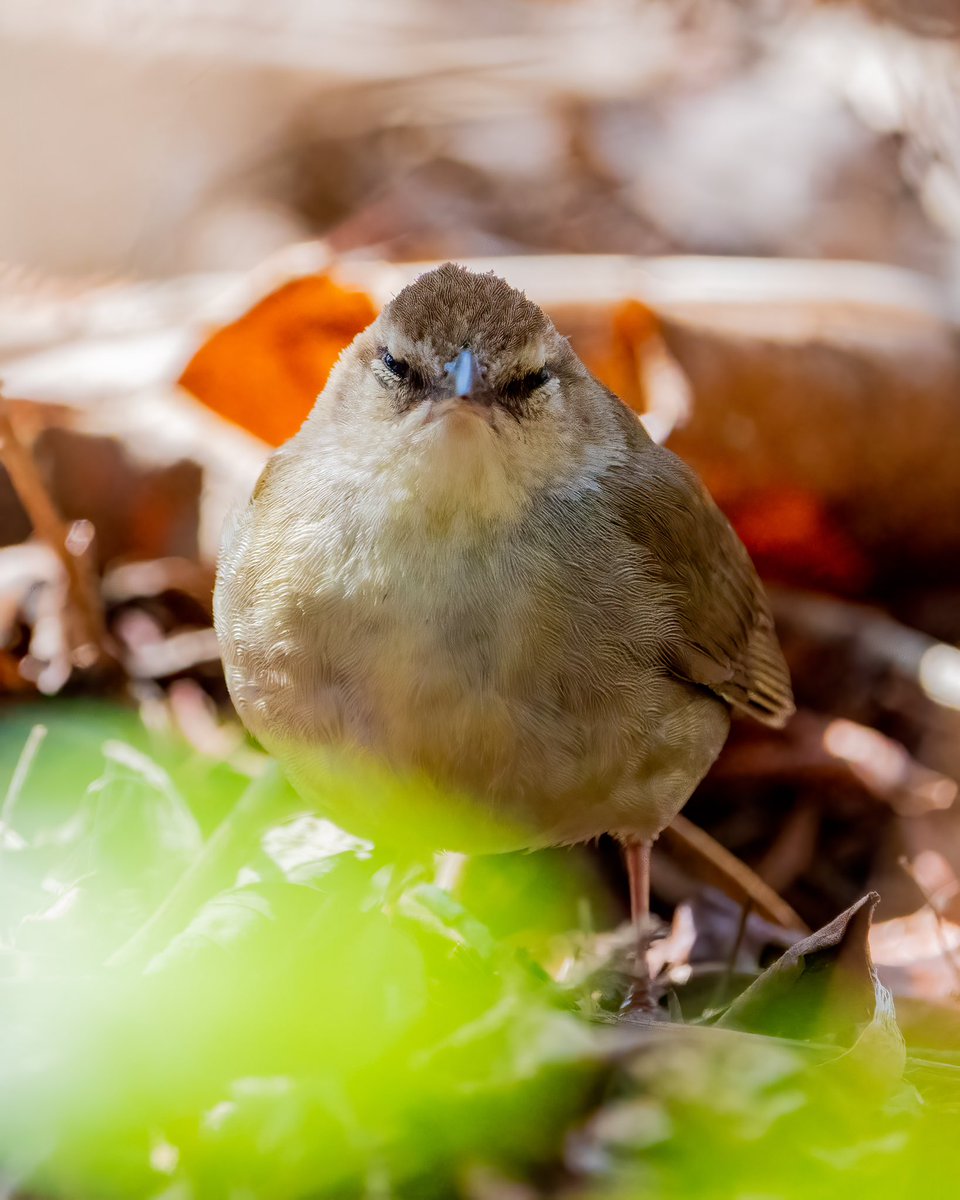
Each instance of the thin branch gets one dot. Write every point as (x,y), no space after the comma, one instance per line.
(730,874)
(71,543)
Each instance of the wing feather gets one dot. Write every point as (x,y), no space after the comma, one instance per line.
(725,635)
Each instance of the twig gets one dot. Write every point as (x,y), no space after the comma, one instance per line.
(20,773)
(722,988)
(945,948)
(793,848)
(71,543)
(731,875)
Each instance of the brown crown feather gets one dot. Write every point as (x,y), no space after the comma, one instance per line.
(451,307)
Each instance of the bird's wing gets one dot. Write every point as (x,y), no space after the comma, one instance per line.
(724,639)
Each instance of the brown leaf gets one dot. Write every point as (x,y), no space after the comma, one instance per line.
(826,988)
(823,749)
(789,999)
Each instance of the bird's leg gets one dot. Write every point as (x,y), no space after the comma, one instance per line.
(637,853)
(638,869)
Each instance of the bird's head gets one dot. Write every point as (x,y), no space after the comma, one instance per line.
(455,341)
(463,377)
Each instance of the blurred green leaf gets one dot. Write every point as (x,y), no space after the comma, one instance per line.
(311,1023)
(132,826)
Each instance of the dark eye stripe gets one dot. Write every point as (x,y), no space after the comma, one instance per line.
(394,366)
(517,388)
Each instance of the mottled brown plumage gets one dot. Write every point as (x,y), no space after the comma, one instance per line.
(510,593)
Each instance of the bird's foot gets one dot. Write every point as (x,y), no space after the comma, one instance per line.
(643,995)
(641,1002)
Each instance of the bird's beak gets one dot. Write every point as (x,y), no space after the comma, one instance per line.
(464,370)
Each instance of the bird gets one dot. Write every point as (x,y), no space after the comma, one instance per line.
(472,568)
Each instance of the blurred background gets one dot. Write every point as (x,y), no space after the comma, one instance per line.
(146,139)
(746,215)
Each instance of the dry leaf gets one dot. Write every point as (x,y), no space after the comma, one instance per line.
(793,539)
(264,371)
(826,988)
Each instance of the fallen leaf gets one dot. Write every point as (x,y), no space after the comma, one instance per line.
(631,329)
(826,988)
(795,540)
(264,371)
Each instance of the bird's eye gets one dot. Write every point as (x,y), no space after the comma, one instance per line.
(395,366)
(527,384)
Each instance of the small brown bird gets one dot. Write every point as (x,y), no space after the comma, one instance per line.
(472,566)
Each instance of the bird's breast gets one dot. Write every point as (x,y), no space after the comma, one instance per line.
(514,661)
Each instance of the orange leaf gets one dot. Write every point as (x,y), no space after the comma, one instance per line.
(265,370)
(619,362)
(794,540)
